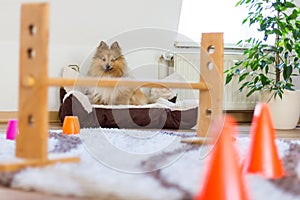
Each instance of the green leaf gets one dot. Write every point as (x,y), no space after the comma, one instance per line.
(272,58)
(289,47)
(227,71)
(287,71)
(289,86)
(243,76)
(289,5)
(239,42)
(251,92)
(293,16)
(244,85)
(245,20)
(228,78)
(264,80)
(267,69)
(297,49)
(298,24)
(276,31)
(239,3)
(287,44)
(262,64)
(286,55)
(296,33)
(280,94)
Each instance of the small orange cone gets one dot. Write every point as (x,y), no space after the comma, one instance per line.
(263,156)
(223,180)
(71,125)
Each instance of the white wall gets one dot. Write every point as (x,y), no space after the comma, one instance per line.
(77,26)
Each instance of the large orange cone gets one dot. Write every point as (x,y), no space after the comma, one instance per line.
(263,157)
(223,179)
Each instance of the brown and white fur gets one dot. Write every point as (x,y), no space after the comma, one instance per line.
(109,62)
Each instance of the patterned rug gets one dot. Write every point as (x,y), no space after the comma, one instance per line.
(135,164)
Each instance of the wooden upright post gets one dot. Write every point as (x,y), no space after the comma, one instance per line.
(211,73)
(33,89)
(32,140)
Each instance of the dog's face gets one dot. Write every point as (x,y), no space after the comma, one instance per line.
(108,61)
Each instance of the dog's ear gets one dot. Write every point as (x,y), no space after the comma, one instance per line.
(115,45)
(103,45)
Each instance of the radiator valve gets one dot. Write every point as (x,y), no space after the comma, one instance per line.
(167,55)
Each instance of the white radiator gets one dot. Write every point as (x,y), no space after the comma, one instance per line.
(187,65)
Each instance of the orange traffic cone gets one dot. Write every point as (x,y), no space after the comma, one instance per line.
(71,125)
(263,156)
(224,179)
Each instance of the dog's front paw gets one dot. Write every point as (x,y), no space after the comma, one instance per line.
(100,102)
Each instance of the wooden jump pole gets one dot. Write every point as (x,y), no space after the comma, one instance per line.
(31,143)
(124,82)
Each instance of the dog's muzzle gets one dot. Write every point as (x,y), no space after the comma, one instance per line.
(107,67)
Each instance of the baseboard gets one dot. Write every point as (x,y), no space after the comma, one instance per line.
(53,117)
(244,116)
(241,116)
(5,116)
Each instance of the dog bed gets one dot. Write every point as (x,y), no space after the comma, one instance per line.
(165,113)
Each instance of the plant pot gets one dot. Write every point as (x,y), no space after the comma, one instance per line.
(285,112)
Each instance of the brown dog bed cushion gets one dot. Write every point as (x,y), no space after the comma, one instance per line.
(163,114)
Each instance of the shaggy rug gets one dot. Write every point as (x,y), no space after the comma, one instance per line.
(135,164)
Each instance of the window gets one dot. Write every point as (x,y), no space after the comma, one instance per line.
(198,16)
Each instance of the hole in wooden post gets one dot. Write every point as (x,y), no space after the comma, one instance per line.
(208,112)
(211,49)
(210,66)
(30,53)
(32,29)
(30,120)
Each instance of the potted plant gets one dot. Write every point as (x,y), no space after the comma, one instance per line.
(271,61)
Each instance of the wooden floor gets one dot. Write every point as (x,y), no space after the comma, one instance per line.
(13,194)
(282,134)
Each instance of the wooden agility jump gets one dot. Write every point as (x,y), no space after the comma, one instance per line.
(31,142)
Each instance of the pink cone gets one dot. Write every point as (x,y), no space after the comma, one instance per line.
(12,129)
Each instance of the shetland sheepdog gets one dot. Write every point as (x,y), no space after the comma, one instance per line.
(109,62)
